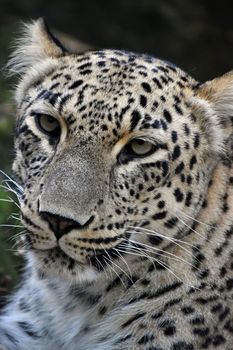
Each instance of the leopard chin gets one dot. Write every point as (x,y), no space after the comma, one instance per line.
(66,263)
(56,263)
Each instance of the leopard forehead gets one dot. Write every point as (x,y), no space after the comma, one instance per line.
(97,89)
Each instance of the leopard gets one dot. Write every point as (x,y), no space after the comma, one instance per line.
(123,169)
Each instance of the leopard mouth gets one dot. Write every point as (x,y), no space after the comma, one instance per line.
(95,258)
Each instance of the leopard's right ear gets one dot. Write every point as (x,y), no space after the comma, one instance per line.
(34,45)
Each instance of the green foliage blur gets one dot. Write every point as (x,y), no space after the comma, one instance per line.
(8,260)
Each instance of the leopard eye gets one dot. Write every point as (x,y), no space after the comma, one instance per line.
(140,147)
(137,148)
(48,125)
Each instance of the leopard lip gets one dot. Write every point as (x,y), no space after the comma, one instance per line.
(58,250)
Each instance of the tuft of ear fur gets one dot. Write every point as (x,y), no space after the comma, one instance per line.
(34,45)
(219,92)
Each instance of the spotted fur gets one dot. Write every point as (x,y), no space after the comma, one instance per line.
(122,252)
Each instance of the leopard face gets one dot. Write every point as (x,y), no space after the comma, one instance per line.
(111,148)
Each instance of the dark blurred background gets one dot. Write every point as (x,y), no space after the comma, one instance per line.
(195,35)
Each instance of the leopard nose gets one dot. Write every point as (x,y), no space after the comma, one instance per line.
(61,225)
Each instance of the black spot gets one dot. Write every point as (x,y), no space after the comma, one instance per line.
(157,82)
(187,310)
(178,195)
(186,129)
(196,141)
(176,152)
(229,284)
(132,319)
(85,65)
(218,339)
(170,330)
(102,310)
(156,124)
(136,116)
(193,160)
(155,240)
(146,87)
(163,124)
(171,222)
(161,204)
(178,109)
(76,84)
(189,179)
(188,199)
(85,72)
(197,320)
(229,326)
(54,86)
(159,216)
(179,168)
(202,332)
(143,100)
(167,116)
(174,136)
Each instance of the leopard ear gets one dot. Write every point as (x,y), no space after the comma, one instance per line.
(219,93)
(35,44)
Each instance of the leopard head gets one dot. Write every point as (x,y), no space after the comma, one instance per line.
(114,150)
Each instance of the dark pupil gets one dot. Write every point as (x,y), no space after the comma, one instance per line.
(50,120)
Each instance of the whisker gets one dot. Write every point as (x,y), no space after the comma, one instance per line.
(9,179)
(111,267)
(99,262)
(112,262)
(202,236)
(190,217)
(9,199)
(12,216)
(169,239)
(123,259)
(155,233)
(11,225)
(163,253)
(163,264)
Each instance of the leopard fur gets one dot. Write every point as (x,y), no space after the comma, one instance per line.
(124,250)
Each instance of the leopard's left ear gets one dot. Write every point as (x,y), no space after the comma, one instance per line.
(219,93)
(35,44)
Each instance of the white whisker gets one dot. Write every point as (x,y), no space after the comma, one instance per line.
(202,236)
(111,267)
(155,233)
(168,238)
(9,179)
(125,262)
(163,253)
(112,262)
(190,217)
(158,261)
(11,225)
